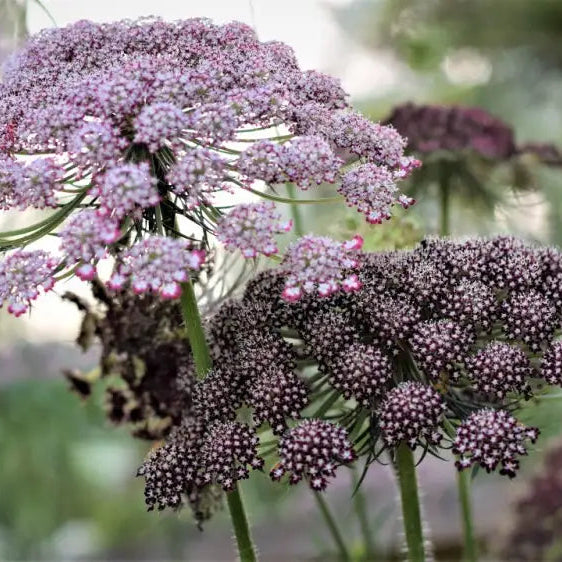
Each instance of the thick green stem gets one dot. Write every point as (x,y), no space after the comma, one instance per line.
(470,549)
(406,472)
(360,504)
(332,526)
(295,211)
(241,526)
(203,362)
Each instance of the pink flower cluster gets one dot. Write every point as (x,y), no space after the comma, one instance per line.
(317,264)
(22,274)
(157,264)
(250,228)
(33,184)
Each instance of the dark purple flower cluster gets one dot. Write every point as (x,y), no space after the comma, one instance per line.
(313,450)
(491,438)
(429,128)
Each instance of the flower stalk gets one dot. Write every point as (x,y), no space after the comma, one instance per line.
(332,526)
(411,513)
(203,362)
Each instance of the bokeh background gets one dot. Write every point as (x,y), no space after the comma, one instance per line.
(67,486)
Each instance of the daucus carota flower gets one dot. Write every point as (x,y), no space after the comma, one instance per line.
(251,228)
(227,451)
(197,176)
(125,188)
(372,189)
(551,365)
(158,124)
(22,274)
(96,143)
(411,412)
(313,450)
(36,183)
(85,238)
(322,265)
(491,438)
(157,264)
(499,368)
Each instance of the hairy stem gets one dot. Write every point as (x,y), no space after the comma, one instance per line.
(332,526)
(203,362)
(406,473)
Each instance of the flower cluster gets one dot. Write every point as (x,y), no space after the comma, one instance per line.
(313,450)
(491,438)
(429,128)
(147,119)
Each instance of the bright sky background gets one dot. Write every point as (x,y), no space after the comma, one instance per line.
(306,25)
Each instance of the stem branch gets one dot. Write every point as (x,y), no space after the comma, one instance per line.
(332,526)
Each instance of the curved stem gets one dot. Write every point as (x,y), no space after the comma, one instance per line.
(332,526)
(470,549)
(203,362)
(406,472)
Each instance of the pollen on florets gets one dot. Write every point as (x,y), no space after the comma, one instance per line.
(125,188)
(227,451)
(411,412)
(500,368)
(491,438)
(157,264)
(313,450)
(22,274)
(85,238)
(251,228)
(316,264)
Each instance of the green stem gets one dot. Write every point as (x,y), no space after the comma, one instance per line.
(444,201)
(360,504)
(470,549)
(203,362)
(463,487)
(332,526)
(241,526)
(194,329)
(406,472)
(295,211)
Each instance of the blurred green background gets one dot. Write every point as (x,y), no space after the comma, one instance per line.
(67,486)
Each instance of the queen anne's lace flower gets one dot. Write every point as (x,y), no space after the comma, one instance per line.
(372,189)
(491,438)
(157,264)
(22,274)
(322,265)
(251,227)
(125,188)
(96,143)
(159,123)
(313,450)
(84,239)
(197,176)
